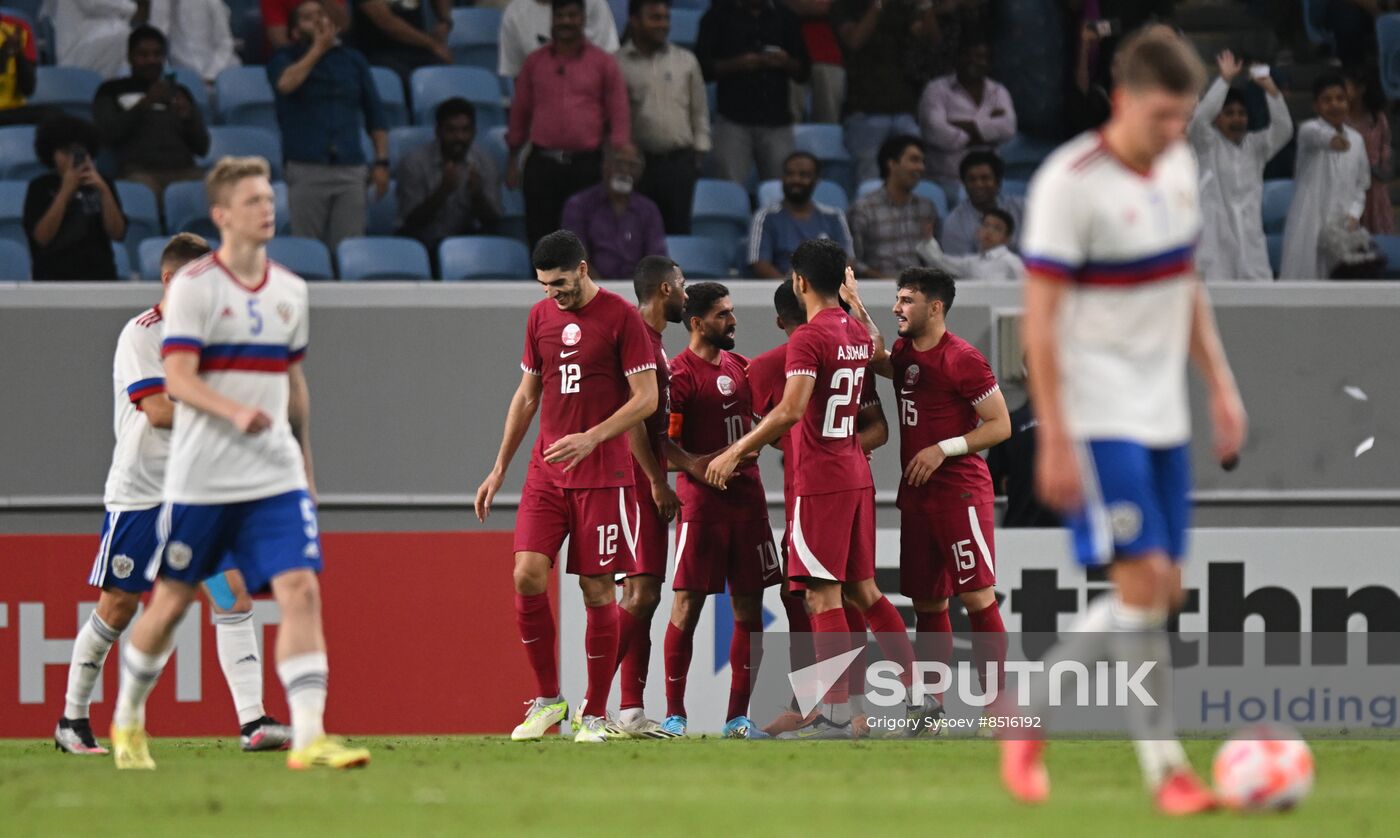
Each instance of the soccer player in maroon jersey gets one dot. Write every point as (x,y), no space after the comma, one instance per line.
(950,408)
(832,548)
(720,535)
(588,368)
(660,289)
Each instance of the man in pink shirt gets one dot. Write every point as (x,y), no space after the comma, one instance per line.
(963,112)
(569,98)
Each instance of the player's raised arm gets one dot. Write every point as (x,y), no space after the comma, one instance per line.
(667,503)
(518,416)
(1227,415)
(879,357)
(571,449)
(1056,468)
(299,417)
(796,394)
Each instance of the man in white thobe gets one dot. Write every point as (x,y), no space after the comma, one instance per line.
(92,33)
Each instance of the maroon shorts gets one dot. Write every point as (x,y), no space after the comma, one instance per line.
(710,552)
(651,540)
(946,552)
(601,525)
(833,537)
(793,586)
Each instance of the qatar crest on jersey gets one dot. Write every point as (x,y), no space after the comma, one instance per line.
(571,335)
(911,375)
(726,385)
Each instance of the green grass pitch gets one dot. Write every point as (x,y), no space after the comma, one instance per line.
(459,785)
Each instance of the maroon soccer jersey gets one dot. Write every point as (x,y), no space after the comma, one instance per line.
(712,407)
(938,392)
(833,349)
(659,421)
(766,384)
(583,358)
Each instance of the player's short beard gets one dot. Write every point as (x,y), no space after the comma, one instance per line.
(719,340)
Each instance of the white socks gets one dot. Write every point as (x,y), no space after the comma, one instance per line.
(1140,635)
(237,640)
(304,678)
(90,650)
(139,674)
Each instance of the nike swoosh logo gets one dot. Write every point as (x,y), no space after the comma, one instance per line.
(568,354)
(606,563)
(905,392)
(962,581)
(727,406)
(594,657)
(531,640)
(673,680)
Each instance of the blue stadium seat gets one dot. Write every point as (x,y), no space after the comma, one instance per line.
(1023,156)
(122,258)
(382,257)
(475,38)
(148,257)
(926,189)
(198,89)
(495,142)
(243,96)
(720,212)
(14,261)
(828,144)
(12,194)
(1390,246)
(69,88)
(827,192)
(308,258)
(483,257)
(1388,40)
(243,140)
(1278,196)
(685,26)
(702,5)
(391,95)
(406,138)
(431,85)
(1273,242)
(142,216)
(187,209)
(1015,188)
(284,208)
(698,257)
(512,224)
(1315,22)
(382,214)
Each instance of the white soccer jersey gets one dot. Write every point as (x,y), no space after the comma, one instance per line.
(1124,241)
(137,475)
(245,339)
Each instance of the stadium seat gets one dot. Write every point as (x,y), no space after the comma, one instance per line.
(1390,247)
(1315,22)
(308,258)
(122,259)
(69,88)
(1023,156)
(391,95)
(382,214)
(512,223)
(431,85)
(406,138)
(701,5)
(1388,40)
(698,257)
(14,261)
(827,192)
(148,257)
(243,96)
(720,212)
(284,208)
(1274,243)
(187,209)
(483,257)
(475,37)
(382,257)
(494,141)
(1278,196)
(685,26)
(1015,188)
(197,88)
(142,216)
(17,160)
(828,144)
(12,194)
(241,140)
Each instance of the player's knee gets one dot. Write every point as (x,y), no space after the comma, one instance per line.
(930,606)
(685,610)
(530,577)
(116,608)
(298,593)
(976,600)
(641,601)
(863,594)
(747,608)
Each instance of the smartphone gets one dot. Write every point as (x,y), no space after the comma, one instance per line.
(80,157)
(1259,71)
(1106,28)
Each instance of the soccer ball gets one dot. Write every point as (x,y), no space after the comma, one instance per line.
(1264,768)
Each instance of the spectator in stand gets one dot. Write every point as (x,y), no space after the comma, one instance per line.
(449,186)
(670,113)
(395,33)
(71,214)
(827,85)
(324,94)
(1366,113)
(199,33)
(18,63)
(277,13)
(994,259)
(1086,102)
(964,112)
(1232,160)
(526,26)
(92,33)
(888,224)
(617,226)
(565,124)
(1330,185)
(149,120)
(778,229)
(981,173)
(878,39)
(753,49)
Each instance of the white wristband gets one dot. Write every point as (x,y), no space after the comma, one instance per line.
(954,446)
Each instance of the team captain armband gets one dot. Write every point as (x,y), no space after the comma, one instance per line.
(677,423)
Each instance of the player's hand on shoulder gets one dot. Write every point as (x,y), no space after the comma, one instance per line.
(1057,475)
(251,420)
(570,450)
(923,465)
(486,492)
(668,503)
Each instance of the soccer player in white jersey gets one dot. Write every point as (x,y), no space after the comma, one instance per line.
(1113,308)
(239,479)
(143,416)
